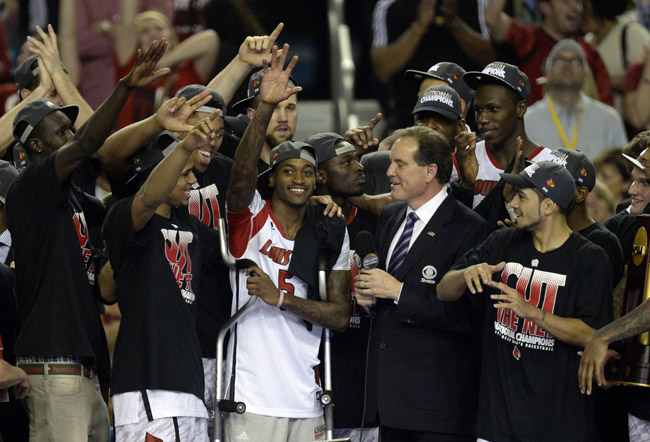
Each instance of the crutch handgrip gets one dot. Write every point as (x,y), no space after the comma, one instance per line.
(229,406)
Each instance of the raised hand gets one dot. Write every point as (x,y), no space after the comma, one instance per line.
(361,137)
(426,13)
(274,89)
(44,78)
(201,134)
(254,49)
(479,274)
(449,12)
(143,72)
(466,156)
(47,50)
(173,114)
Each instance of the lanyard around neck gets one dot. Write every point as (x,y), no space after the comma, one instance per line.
(560,130)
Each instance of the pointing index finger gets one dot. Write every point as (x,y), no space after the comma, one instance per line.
(276,33)
(375,121)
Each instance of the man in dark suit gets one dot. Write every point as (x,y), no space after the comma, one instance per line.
(423,370)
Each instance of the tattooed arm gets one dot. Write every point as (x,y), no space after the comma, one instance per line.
(333,313)
(596,353)
(243,178)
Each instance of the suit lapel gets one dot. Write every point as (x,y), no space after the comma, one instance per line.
(393,225)
(431,233)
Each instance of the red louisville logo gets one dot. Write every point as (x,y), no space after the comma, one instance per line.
(550,182)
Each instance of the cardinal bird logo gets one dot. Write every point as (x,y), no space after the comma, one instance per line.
(550,182)
(516,353)
(583,172)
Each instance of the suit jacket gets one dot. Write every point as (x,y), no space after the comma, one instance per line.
(424,353)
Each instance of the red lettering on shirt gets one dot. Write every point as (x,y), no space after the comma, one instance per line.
(177,253)
(204,206)
(276,254)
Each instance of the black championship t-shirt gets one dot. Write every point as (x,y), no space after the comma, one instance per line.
(349,348)
(208,204)
(157,273)
(529,386)
(56,264)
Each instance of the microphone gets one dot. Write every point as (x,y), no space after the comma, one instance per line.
(365,248)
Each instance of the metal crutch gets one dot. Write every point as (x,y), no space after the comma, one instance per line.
(326,397)
(227,405)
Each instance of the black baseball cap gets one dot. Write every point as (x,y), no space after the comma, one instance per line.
(7,175)
(578,165)
(324,145)
(34,112)
(292,149)
(192,90)
(285,151)
(20,157)
(26,72)
(505,73)
(448,72)
(442,100)
(254,85)
(553,180)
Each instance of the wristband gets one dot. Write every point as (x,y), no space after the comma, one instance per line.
(281,299)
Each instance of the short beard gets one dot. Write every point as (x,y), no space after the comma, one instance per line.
(273,141)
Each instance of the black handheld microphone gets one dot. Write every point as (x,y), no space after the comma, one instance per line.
(365,248)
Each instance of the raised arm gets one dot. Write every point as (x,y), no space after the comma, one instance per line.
(251,53)
(92,135)
(273,90)
(496,20)
(43,90)
(202,48)
(68,39)
(164,177)
(389,59)
(171,116)
(125,35)
(473,44)
(48,51)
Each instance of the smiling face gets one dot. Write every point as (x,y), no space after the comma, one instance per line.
(180,196)
(639,191)
(293,182)
(527,207)
(203,156)
(496,112)
(562,16)
(408,179)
